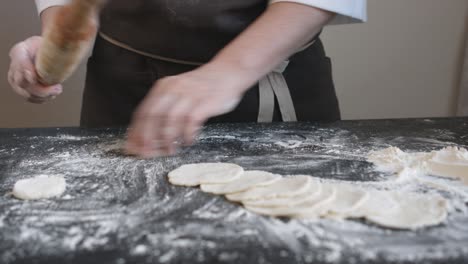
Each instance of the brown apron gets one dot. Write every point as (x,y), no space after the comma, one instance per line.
(144,40)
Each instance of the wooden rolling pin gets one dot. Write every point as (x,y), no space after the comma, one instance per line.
(67,40)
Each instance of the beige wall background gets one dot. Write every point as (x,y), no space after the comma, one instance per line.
(405,62)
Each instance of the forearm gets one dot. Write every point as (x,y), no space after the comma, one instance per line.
(47,15)
(277,34)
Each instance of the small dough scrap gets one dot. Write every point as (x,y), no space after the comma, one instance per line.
(310,209)
(391,159)
(247,180)
(348,199)
(413,211)
(449,162)
(204,173)
(288,186)
(311,194)
(39,187)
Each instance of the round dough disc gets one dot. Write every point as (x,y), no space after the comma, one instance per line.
(205,173)
(310,209)
(348,198)
(413,211)
(378,201)
(40,187)
(247,180)
(285,187)
(312,193)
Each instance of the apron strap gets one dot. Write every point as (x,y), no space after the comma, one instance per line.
(266,104)
(274,85)
(146,54)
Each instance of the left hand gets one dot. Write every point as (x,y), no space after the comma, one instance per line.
(177,107)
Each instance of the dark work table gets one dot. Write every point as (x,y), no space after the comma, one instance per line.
(119,209)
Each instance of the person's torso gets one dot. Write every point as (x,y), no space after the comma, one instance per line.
(191,30)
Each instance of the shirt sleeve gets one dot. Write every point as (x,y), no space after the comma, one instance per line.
(44,4)
(348,11)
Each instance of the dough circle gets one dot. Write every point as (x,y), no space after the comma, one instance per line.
(205,173)
(39,187)
(413,211)
(378,201)
(348,199)
(247,180)
(310,209)
(285,187)
(314,190)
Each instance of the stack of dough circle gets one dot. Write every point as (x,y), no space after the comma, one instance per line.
(307,197)
(308,209)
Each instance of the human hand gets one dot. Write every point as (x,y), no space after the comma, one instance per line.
(177,107)
(22,74)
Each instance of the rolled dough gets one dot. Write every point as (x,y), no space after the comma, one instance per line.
(412,211)
(311,194)
(285,187)
(348,199)
(320,205)
(205,173)
(247,180)
(39,187)
(310,209)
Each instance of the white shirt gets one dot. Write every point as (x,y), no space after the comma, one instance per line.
(348,11)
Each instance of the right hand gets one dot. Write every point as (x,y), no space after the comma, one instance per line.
(23,77)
